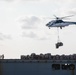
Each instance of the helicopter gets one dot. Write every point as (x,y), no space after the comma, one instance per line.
(59,22)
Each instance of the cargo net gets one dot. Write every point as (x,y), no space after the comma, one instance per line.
(48,56)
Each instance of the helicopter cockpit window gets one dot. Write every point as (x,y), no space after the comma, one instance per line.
(49,22)
(59,21)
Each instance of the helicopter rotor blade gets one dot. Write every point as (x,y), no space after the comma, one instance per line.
(56,17)
(66,17)
(46,17)
(62,17)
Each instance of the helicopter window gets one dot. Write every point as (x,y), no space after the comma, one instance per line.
(49,22)
(59,21)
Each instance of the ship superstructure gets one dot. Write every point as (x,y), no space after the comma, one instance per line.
(43,64)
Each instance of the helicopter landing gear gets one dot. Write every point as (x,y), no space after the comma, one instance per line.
(58,44)
(60,27)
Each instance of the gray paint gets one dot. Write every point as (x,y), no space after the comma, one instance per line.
(33,67)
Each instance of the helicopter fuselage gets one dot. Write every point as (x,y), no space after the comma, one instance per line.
(59,23)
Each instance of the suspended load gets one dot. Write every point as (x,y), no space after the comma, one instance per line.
(59,43)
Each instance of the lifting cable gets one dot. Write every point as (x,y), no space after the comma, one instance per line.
(58,38)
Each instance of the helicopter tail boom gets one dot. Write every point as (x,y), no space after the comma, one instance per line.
(71,22)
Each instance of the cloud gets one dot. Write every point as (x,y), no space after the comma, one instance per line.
(3,36)
(31,0)
(7,0)
(34,27)
(30,22)
(73,11)
(18,0)
(30,35)
(36,35)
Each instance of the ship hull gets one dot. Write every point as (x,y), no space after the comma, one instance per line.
(36,67)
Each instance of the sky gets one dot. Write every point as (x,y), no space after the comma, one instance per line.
(23,27)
